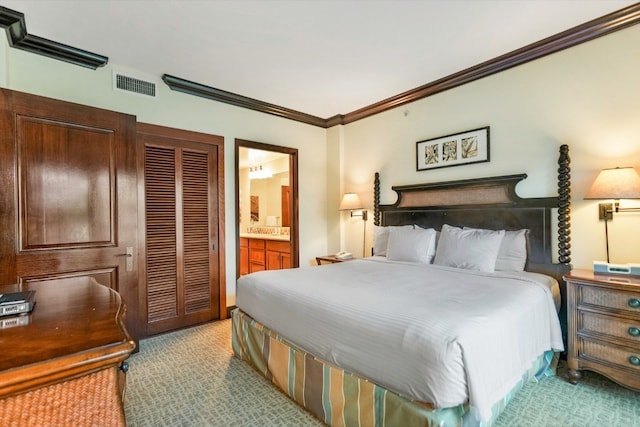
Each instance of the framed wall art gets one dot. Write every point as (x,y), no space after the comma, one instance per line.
(471,146)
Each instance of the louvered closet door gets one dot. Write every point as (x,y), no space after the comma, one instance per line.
(182,220)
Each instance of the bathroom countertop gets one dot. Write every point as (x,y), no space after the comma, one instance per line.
(280,237)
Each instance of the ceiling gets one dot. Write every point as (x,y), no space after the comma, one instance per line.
(319,57)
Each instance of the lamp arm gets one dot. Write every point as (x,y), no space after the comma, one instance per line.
(619,209)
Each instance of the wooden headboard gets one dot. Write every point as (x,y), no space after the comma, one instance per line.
(490,203)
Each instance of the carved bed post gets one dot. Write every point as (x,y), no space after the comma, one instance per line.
(376,199)
(564,206)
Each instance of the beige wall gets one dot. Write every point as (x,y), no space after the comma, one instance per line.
(587,97)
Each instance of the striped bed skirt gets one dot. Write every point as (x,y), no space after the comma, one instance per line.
(340,398)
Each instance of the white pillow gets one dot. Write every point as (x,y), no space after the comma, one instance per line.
(512,255)
(381,238)
(431,251)
(412,245)
(472,249)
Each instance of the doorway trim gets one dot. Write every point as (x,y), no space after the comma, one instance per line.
(293,201)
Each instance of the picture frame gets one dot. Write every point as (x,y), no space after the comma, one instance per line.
(462,148)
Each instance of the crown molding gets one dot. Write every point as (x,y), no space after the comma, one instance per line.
(593,29)
(582,33)
(16,30)
(197,89)
(14,24)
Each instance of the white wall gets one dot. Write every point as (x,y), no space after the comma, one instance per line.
(587,97)
(56,79)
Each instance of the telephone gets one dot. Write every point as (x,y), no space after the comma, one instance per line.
(344,255)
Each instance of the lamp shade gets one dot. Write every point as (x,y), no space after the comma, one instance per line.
(615,183)
(350,201)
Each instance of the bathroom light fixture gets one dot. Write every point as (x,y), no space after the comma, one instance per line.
(615,183)
(351,202)
(257,172)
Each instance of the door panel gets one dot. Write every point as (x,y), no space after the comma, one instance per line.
(197,262)
(67,184)
(161,251)
(182,203)
(75,188)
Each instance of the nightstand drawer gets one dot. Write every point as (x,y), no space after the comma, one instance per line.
(627,301)
(603,326)
(611,354)
(608,325)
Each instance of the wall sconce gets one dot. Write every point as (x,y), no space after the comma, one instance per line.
(351,202)
(616,183)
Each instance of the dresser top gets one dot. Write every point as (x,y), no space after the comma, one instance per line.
(76,326)
(621,279)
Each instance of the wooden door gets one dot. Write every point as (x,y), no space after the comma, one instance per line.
(285,208)
(69,184)
(183,205)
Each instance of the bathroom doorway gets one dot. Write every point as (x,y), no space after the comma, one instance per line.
(266,178)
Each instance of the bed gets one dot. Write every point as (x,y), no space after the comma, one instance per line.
(456,309)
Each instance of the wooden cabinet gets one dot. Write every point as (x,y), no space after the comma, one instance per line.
(604,326)
(278,255)
(64,363)
(266,254)
(257,256)
(244,256)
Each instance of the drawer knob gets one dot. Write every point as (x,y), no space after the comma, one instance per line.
(634,332)
(634,360)
(634,302)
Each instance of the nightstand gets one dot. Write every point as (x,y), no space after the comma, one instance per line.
(330,259)
(603,317)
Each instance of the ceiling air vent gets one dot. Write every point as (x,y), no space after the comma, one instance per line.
(134,85)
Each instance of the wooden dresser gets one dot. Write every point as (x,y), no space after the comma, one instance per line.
(64,363)
(604,326)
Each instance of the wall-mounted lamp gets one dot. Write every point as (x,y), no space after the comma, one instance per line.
(616,183)
(351,202)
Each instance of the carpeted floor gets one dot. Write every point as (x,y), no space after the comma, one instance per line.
(191,378)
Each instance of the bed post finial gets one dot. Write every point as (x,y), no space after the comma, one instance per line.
(376,199)
(564,206)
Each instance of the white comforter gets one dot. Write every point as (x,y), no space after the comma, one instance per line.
(435,334)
